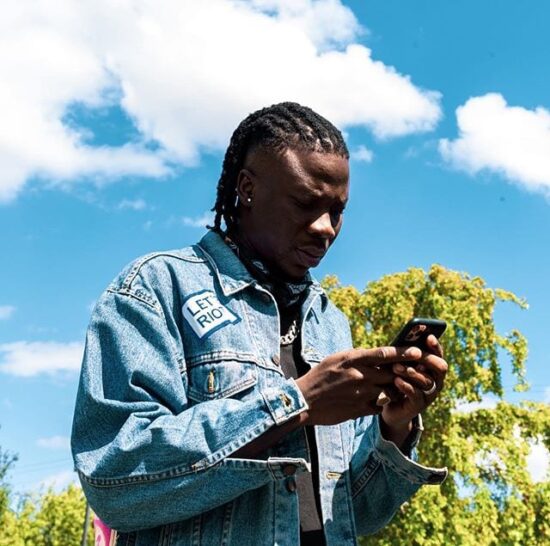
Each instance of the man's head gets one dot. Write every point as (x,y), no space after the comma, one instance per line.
(283,186)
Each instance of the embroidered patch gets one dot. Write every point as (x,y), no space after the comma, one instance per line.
(205,314)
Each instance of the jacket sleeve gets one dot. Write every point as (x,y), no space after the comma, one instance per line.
(145,454)
(383,477)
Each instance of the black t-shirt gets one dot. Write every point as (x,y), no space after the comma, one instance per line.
(307,484)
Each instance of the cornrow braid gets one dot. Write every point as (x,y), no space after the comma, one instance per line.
(278,127)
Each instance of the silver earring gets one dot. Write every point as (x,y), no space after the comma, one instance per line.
(249,199)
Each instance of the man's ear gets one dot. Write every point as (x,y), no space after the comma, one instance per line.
(245,188)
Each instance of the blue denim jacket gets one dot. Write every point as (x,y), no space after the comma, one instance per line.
(181,370)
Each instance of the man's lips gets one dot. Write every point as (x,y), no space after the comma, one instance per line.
(310,257)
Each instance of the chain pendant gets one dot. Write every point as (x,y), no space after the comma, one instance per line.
(291,335)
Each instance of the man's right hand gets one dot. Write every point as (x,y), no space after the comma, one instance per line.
(346,385)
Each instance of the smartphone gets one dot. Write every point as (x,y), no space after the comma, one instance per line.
(417,330)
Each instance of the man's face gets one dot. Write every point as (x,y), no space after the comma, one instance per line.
(295,212)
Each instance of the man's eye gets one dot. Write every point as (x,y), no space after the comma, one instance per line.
(336,214)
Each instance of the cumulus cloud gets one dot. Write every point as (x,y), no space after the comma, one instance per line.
(363,154)
(46,65)
(6,311)
(54,442)
(509,140)
(30,358)
(327,23)
(185,73)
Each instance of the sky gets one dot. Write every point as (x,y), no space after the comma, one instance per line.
(116,115)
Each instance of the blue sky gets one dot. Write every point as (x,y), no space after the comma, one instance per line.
(115,124)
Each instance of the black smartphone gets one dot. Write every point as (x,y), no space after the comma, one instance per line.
(417,330)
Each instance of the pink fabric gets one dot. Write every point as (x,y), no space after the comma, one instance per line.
(103,535)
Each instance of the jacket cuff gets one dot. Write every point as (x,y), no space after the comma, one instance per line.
(391,456)
(286,402)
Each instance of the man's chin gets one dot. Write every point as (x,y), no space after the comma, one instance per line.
(294,272)
(290,272)
(294,266)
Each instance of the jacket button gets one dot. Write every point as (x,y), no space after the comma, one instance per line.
(289,470)
(287,402)
(291,485)
(276,360)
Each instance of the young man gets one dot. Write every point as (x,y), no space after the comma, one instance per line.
(221,401)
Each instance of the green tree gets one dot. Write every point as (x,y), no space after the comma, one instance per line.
(48,519)
(6,462)
(489,497)
(52,519)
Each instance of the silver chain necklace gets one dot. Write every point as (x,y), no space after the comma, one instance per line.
(291,334)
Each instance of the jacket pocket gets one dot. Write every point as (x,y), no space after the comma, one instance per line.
(221,379)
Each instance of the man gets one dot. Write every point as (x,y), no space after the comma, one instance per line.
(220,400)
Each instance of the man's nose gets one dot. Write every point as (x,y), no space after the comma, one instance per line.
(323,227)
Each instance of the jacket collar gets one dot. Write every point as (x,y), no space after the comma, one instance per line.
(230,271)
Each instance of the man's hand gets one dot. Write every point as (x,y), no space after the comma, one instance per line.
(411,382)
(346,385)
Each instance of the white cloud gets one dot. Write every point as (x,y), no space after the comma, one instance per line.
(486,402)
(57,482)
(198,221)
(132,204)
(327,23)
(6,311)
(186,73)
(362,153)
(54,442)
(509,140)
(29,358)
(538,461)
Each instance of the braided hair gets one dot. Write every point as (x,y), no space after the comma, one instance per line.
(278,127)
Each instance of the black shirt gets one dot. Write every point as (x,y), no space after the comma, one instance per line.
(307,484)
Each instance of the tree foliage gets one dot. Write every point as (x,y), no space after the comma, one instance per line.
(489,497)
(49,519)
(6,461)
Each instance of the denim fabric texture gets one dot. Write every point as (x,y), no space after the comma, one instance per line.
(180,370)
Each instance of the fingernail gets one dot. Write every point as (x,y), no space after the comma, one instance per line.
(399,368)
(411,352)
(411,371)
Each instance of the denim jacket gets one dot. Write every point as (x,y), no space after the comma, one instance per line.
(181,369)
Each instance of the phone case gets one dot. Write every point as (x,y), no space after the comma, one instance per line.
(416,331)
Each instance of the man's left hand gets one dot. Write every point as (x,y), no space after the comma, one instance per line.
(412,382)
